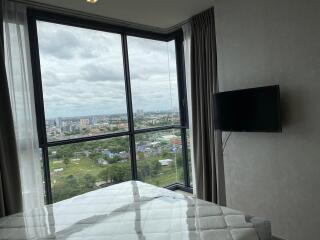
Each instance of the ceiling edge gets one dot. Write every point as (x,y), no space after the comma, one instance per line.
(113,21)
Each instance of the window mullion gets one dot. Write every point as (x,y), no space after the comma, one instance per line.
(182,93)
(183,105)
(46,166)
(129,107)
(85,139)
(185,157)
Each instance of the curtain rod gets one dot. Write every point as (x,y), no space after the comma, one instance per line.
(91,16)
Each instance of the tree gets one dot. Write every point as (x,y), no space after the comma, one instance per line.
(166,154)
(71,181)
(104,174)
(115,159)
(95,156)
(155,167)
(67,188)
(177,163)
(140,156)
(144,170)
(179,160)
(119,172)
(88,182)
(66,161)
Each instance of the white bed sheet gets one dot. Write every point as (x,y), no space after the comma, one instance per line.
(134,211)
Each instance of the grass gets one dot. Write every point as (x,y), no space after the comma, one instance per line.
(76,168)
(165,178)
(86,166)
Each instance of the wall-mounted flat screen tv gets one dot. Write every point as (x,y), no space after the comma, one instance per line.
(249,110)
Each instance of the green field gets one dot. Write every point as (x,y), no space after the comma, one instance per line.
(84,175)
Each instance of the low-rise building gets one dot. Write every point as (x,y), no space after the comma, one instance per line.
(165,162)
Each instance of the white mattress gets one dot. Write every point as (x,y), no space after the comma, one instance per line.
(134,211)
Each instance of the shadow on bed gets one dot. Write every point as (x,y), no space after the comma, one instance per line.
(276,238)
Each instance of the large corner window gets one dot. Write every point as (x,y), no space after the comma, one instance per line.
(110,104)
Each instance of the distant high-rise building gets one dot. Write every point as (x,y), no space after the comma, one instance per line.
(175,110)
(84,122)
(94,120)
(58,122)
(140,113)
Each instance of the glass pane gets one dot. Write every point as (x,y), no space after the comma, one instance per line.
(189,156)
(82,167)
(42,175)
(159,157)
(82,80)
(153,82)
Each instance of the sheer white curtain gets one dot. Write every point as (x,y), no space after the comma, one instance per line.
(187,59)
(20,83)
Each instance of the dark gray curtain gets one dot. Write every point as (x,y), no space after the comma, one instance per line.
(10,189)
(204,83)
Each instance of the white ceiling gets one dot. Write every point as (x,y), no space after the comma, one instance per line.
(162,14)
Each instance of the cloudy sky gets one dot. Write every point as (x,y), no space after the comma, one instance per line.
(82,72)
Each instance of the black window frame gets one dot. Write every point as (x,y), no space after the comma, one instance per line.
(34,15)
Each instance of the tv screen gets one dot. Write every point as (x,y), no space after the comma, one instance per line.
(249,110)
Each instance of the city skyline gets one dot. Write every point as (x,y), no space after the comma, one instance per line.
(73,127)
(174,111)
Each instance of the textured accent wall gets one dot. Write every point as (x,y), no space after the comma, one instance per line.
(275,175)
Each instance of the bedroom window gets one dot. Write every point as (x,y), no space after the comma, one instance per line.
(110,104)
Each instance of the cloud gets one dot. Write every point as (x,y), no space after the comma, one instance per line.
(82,72)
(60,43)
(94,72)
(49,79)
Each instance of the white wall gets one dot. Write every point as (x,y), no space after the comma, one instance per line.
(275,175)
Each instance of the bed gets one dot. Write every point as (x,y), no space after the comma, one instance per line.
(134,211)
